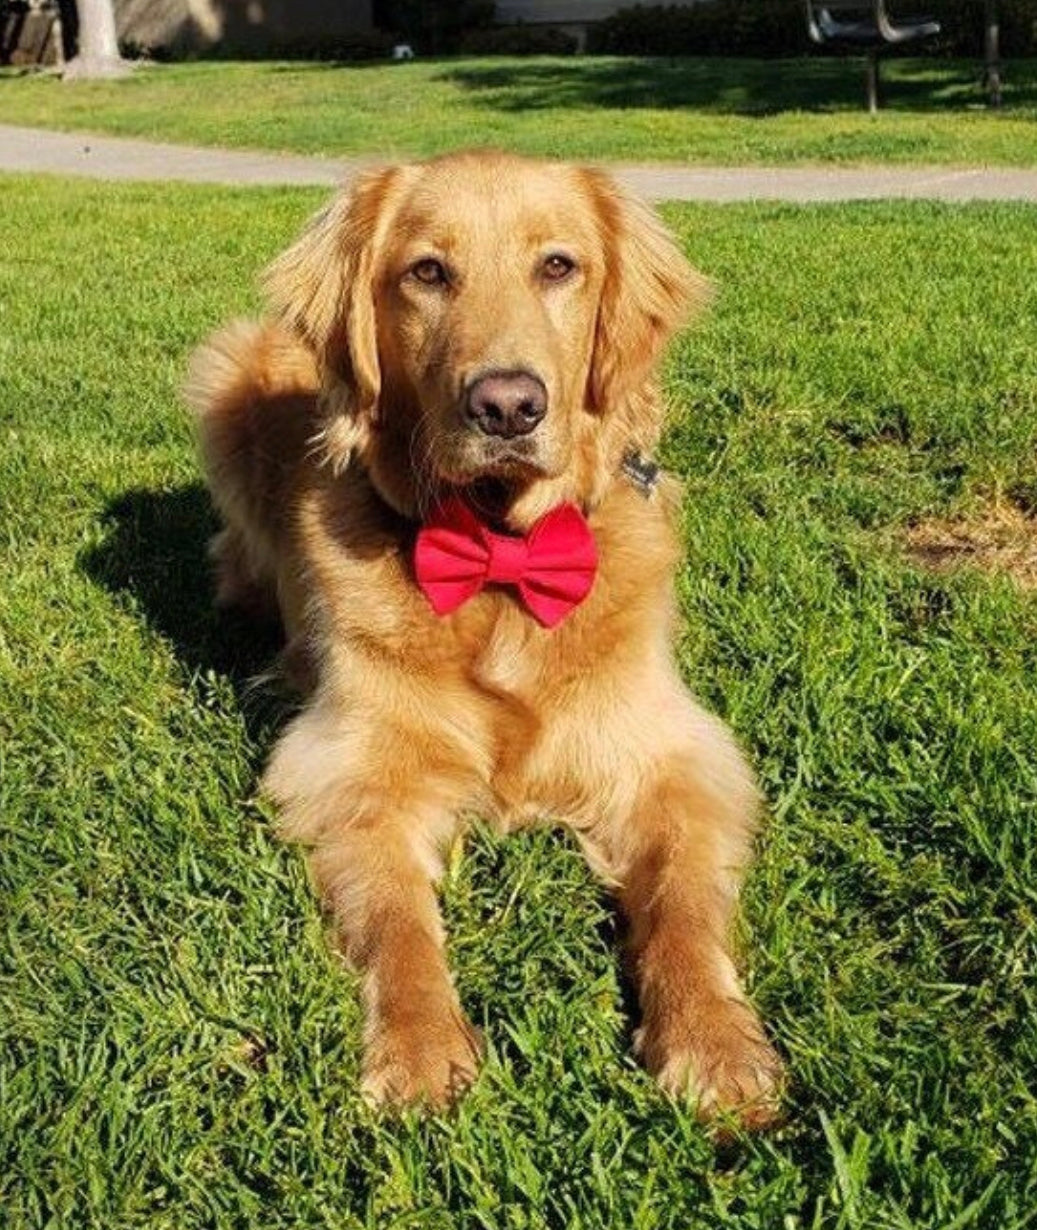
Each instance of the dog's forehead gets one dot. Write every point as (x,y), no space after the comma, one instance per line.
(456,203)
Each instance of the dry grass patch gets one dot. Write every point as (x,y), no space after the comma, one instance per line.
(1003,539)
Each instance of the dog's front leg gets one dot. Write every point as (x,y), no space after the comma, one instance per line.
(374,834)
(678,858)
(418,1045)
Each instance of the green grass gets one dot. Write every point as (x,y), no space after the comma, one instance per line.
(689,110)
(177,1047)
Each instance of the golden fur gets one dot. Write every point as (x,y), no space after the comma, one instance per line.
(325,434)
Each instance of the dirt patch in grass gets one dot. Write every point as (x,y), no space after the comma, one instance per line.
(1003,539)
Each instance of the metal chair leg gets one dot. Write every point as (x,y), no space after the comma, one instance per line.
(871,78)
(992,54)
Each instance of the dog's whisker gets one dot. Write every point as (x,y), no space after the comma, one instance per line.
(317,445)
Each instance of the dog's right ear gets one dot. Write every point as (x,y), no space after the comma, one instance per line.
(322,287)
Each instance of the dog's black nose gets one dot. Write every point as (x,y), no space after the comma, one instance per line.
(506,403)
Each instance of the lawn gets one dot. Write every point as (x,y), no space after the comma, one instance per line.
(178,1049)
(688,110)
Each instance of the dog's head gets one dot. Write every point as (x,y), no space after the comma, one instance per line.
(489,323)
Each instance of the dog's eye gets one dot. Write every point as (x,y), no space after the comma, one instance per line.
(430,272)
(556,267)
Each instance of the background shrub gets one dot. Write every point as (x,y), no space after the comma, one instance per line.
(717,27)
(517,41)
(432,27)
(350,45)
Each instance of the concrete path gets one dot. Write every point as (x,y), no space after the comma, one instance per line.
(34,149)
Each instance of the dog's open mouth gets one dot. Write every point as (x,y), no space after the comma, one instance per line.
(502,474)
(492,497)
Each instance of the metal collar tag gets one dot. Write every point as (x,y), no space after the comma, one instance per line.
(642,472)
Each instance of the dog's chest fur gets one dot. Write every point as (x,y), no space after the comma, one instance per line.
(520,684)
(363,555)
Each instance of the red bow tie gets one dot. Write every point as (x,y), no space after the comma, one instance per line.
(552,567)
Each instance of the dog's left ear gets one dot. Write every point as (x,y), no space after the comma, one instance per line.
(650,290)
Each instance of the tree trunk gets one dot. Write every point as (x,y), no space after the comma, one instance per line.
(98,54)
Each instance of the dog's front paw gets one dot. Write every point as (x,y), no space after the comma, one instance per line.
(421,1061)
(720,1058)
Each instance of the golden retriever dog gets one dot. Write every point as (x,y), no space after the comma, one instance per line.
(432,462)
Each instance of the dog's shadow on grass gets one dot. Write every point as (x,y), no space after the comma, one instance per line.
(152,555)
